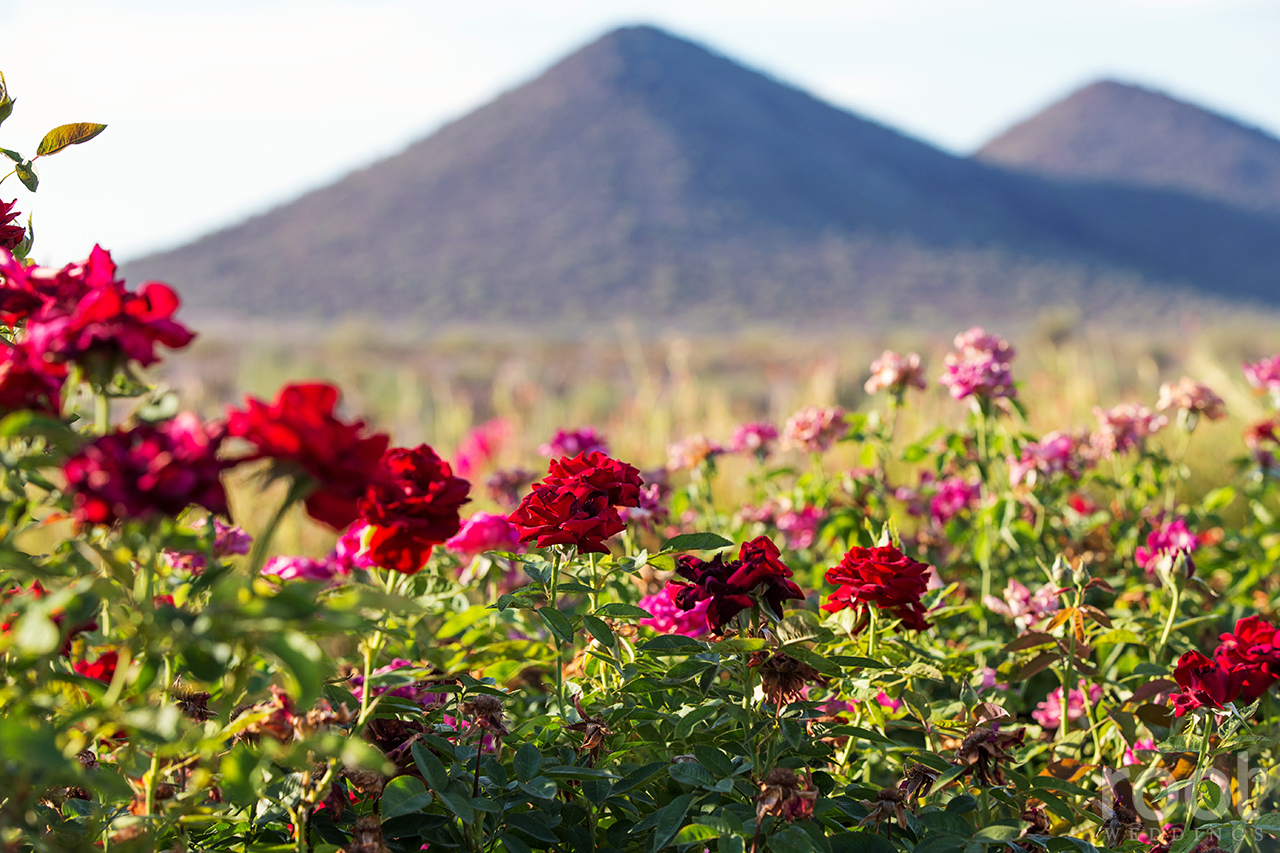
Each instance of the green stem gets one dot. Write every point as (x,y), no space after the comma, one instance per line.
(553,593)
(1194,797)
(101,413)
(872,625)
(153,773)
(262,544)
(1173,613)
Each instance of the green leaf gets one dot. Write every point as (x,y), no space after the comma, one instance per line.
(601,631)
(997,833)
(303,661)
(540,787)
(793,839)
(403,795)
(27,175)
(528,762)
(430,767)
(12,155)
(6,103)
(739,645)
(68,134)
(691,773)
(534,825)
(673,644)
(457,803)
(558,623)
(670,817)
(696,832)
(37,634)
(623,611)
(697,542)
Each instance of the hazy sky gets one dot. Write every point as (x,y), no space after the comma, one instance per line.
(223,108)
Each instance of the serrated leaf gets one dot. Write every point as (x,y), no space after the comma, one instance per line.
(68,134)
(691,773)
(558,623)
(617,610)
(12,155)
(528,762)
(997,833)
(601,631)
(697,542)
(695,832)
(669,818)
(303,662)
(430,767)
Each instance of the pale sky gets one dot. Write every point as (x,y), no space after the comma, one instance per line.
(220,109)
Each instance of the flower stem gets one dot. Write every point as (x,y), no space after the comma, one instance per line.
(1193,798)
(262,543)
(1173,613)
(872,625)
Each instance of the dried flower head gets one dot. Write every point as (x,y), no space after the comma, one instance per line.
(593,731)
(486,711)
(783,678)
(984,749)
(784,794)
(918,782)
(888,804)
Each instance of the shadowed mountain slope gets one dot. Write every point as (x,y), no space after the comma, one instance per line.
(646,175)
(1111,131)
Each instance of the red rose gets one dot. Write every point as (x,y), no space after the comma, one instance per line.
(1254,650)
(87,311)
(148,471)
(757,574)
(103,669)
(27,381)
(577,503)
(300,432)
(37,592)
(883,577)
(10,235)
(411,508)
(1205,683)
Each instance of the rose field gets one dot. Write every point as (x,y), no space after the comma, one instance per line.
(950,603)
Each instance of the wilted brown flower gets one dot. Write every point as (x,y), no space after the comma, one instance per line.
(366,836)
(395,738)
(277,718)
(322,717)
(887,804)
(784,794)
(486,711)
(918,782)
(984,749)
(1119,820)
(783,678)
(593,730)
(1033,813)
(194,706)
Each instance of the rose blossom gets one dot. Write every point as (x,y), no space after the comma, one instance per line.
(756,437)
(10,235)
(485,531)
(814,429)
(733,586)
(896,373)
(1205,683)
(574,442)
(979,366)
(577,503)
(411,507)
(800,527)
(103,669)
(1264,374)
(1131,753)
(1023,606)
(87,311)
(1191,397)
(649,509)
(303,568)
(147,471)
(954,494)
(1167,541)
(1253,650)
(301,434)
(1262,438)
(479,447)
(29,381)
(1056,453)
(691,452)
(228,540)
(1124,428)
(882,577)
(1049,712)
(669,618)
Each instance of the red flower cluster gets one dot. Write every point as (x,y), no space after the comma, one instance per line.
(300,432)
(84,311)
(1205,683)
(147,471)
(411,507)
(577,503)
(10,235)
(883,577)
(37,591)
(28,381)
(103,669)
(1253,649)
(731,587)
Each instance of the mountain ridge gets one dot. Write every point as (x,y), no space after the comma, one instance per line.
(647,175)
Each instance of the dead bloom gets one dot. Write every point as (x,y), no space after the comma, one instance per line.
(784,794)
(918,782)
(592,729)
(486,711)
(889,803)
(783,678)
(984,749)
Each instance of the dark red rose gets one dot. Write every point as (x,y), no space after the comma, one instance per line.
(10,235)
(87,312)
(148,471)
(103,669)
(300,432)
(411,508)
(577,503)
(1254,650)
(1205,683)
(28,381)
(734,586)
(883,577)
(18,297)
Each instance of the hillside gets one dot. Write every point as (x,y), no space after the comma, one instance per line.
(645,175)
(1111,131)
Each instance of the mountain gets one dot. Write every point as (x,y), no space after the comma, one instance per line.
(645,175)
(1115,132)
